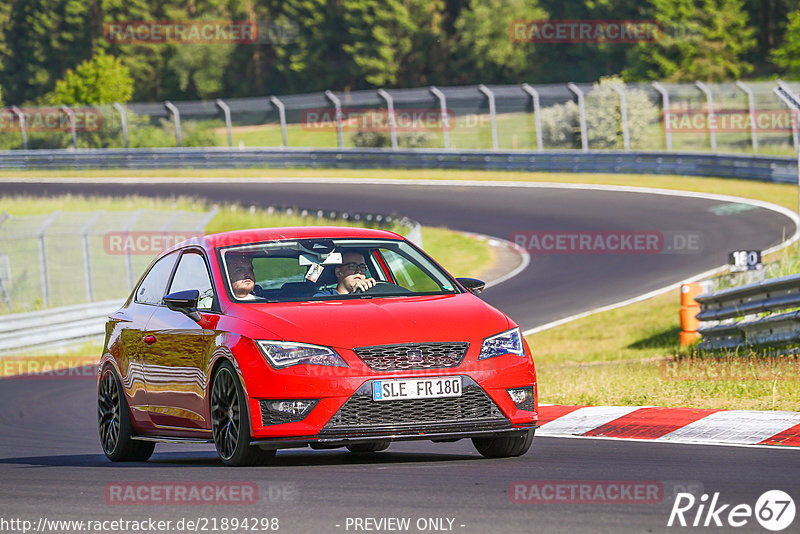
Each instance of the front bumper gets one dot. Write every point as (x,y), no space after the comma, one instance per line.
(358,418)
(432,434)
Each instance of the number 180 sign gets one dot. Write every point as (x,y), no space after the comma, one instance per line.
(745,260)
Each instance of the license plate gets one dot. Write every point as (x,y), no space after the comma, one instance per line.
(416,388)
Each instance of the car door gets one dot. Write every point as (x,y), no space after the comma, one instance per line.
(178,350)
(127,326)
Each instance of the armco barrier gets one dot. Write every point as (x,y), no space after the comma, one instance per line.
(750,167)
(751,315)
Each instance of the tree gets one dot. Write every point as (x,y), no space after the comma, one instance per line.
(316,60)
(201,68)
(43,39)
(787,56)
(345,44)
(560,122)
(711,40)
(586,61)
(769,18)
(483,45)
(379,35)
(5,21)
(102,79)
(427,60)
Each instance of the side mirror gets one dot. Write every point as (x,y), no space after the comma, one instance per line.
(474,285)
(184,302)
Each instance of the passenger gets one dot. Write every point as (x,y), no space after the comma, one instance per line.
(350,276)
(242,277)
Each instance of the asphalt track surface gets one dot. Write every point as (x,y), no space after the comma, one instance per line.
(51,464)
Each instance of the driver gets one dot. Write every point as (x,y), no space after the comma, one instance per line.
(350,275)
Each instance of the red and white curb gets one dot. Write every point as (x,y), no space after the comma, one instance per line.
(675,425)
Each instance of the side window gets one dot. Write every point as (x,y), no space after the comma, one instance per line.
(408,275)
(152,287)
(192,273)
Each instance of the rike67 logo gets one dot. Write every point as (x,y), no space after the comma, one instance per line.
(774,510)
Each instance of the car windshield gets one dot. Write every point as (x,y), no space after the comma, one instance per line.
(317,269)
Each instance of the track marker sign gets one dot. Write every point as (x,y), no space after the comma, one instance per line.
(745,260)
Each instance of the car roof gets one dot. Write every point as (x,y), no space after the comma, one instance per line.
(256,235)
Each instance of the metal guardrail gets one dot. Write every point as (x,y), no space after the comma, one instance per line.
(752,167)
(31,330)
(760,314)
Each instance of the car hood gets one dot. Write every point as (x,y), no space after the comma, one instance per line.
(377,321)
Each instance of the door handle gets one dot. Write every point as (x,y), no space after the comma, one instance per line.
(149,339)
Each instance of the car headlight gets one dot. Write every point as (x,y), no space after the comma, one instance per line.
(281,354)
(508,342)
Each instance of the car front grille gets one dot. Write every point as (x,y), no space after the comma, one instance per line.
(361,413)
(409,356)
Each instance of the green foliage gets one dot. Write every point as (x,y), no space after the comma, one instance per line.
(361,44)
(100,80)
(44,38)
(374,139)
(201,68)
(787,56)
(316,60)
(350,44)
(428,59)
(703,40)
(379,36)
(482,40)
(604,115)
(560,123)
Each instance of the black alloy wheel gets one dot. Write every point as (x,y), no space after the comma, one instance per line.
(230,424)
(114,423)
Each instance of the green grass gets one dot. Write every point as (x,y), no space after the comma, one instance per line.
(613,336)
(30,205)
(630,356)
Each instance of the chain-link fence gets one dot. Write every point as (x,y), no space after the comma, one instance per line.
(726,117)
(65,258)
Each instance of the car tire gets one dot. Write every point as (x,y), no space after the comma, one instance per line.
(230,421)
(114,422)
(373,446)
(504,447)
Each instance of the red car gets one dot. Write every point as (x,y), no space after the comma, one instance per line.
(325,337)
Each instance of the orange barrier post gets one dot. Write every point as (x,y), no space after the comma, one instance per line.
(689,309)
